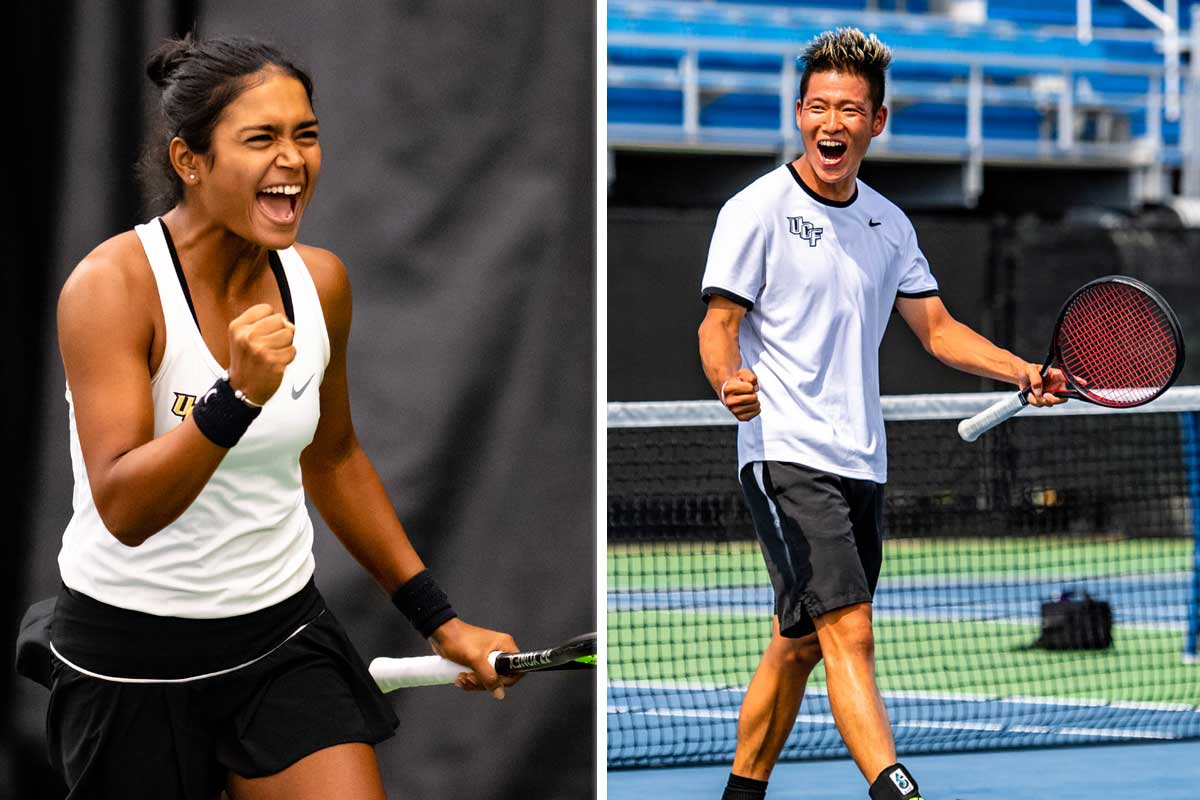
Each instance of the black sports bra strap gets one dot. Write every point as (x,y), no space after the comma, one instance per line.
(285,292)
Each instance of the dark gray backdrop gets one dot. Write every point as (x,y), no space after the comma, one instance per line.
(458,189)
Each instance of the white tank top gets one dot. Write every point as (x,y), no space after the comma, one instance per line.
(246,542)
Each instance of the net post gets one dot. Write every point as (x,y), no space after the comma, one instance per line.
(1191,455)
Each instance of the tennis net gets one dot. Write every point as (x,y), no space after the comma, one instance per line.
(977,536)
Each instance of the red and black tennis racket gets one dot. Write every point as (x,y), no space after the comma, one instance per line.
(1118,343)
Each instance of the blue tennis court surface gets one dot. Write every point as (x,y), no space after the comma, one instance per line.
(988,722)
(1127,771)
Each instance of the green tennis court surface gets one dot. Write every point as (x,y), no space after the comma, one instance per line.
(726,623)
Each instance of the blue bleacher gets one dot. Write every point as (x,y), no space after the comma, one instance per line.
(950,119)
(742,111)
(911,6)
(741,89)
(1105,13)
(645,106)
(959,39)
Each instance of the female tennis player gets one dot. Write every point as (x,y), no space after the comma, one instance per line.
(205,356)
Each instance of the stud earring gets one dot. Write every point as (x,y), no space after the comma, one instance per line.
(191,177)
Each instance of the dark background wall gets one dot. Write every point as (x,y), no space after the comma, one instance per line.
(1002,270)
(458,189)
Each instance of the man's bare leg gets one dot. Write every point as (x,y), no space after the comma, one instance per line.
(848,646)
(772,701)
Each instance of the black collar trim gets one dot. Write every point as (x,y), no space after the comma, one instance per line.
(825,201)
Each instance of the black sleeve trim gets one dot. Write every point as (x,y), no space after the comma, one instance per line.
(709,291)
(918,295)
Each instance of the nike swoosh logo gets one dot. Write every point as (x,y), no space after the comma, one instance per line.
(873,223)
(297,392)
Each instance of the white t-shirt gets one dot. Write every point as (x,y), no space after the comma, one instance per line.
(820,279)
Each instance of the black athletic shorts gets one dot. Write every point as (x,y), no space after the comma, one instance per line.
(821,536)
(180,740)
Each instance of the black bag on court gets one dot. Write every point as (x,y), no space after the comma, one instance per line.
(1075,623)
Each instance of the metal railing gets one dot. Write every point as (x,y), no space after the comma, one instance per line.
(1056,86)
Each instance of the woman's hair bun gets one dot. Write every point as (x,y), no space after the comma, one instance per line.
(166,60)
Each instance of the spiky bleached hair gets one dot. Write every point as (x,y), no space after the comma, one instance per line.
(848,50)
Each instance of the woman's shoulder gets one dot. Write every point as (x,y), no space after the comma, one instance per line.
(333,285)
(112,284)
(327,270)
(119,262)
(322,263)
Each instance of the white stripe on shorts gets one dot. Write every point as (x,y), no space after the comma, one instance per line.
(757,469)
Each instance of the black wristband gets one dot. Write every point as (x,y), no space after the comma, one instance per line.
(424,603)
(221,416)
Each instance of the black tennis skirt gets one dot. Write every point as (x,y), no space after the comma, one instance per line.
(170,708)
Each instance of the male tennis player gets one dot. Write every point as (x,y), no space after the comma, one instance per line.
(803,271)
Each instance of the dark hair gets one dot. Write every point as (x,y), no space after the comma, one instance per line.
(198,79)
(850,51)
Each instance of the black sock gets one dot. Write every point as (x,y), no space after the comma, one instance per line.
(740,788)
(895,783)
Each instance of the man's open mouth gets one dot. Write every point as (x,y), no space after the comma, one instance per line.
(831,150)
(278,202)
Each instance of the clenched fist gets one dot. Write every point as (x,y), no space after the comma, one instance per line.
(740,395)
(260,348)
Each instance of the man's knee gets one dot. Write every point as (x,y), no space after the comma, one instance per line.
(847,631)
(803,653)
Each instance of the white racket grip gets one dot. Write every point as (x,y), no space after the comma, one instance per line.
(972,428)
(401,673)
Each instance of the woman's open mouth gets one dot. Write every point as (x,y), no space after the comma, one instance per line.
(278,203)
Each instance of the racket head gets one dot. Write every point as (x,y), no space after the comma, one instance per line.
(576,653)
(1118,342)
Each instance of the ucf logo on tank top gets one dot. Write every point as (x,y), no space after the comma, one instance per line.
(805,230)
(183,404)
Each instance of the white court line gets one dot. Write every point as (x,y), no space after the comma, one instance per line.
(826,719)
(1115,733)
(909,694)
(934,581)
(904,615)
(1074,702)
(988,727)
(1153,706)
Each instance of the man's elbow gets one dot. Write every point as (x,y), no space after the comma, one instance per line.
(947,341)
(934,344)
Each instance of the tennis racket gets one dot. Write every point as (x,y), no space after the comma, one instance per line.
(1117,342)
(399,673)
